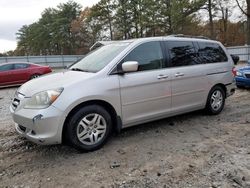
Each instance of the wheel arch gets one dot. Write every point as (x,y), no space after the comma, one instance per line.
(209,110)
(116,120)
(222,86)
(35,73)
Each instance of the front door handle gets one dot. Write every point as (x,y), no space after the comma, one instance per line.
(161,76)
(178,74)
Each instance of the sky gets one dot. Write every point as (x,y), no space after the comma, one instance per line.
(16,13)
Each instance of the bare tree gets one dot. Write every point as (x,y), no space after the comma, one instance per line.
(211,23)
(225,9)
(210,6)
(247,13)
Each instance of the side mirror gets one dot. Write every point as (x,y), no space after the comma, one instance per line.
(130,66)
(235,59)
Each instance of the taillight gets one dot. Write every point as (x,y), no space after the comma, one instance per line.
(234,71)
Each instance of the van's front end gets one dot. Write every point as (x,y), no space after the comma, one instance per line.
(35,109)
(35,118)
(41,106)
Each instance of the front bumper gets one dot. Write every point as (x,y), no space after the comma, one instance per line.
(43,126)
(242,81)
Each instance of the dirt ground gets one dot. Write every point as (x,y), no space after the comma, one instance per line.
(191,150)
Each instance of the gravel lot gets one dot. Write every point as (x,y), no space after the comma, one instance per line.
(191,150)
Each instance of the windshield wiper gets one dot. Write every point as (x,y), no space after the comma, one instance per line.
(77,69)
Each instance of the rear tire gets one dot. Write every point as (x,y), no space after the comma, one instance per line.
(240,87)
(35,76)
(89,128)
(215,100)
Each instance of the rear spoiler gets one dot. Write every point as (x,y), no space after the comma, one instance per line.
(235,58)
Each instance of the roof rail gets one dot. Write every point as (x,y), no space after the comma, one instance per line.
(188,36)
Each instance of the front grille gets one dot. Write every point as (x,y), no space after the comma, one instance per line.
(247,75)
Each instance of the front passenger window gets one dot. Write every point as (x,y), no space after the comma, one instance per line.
(148,55)
(6,67)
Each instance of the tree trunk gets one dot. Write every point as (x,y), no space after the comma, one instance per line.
(136,26)
(225,22)
(109,22)
(211,23)
(141,30)
(224,18)
(170,29)
(110,28)
(248,22)
(247,13)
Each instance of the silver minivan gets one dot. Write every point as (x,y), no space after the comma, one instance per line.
(121,84)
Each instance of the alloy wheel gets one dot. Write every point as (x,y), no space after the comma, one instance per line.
(91,129)
(216,100)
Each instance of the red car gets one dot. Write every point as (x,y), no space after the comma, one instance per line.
(12,74)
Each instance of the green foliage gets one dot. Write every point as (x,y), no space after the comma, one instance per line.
(52,33)
(66,29)
(140,18)
(69,30)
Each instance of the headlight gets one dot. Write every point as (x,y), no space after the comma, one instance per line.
(238,73)
(43,99)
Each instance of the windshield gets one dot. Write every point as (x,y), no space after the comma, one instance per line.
(98,59)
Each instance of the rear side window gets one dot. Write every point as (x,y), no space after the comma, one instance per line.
(21,66)
(148,55)
(7,67)
(182,53)
(211,53)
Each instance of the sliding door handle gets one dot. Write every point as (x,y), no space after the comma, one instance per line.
(161,76)
(178,74)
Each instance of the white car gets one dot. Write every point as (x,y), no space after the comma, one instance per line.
(121,84)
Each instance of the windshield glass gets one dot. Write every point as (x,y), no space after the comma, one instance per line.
(98,59)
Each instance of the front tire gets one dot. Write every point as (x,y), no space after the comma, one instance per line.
(89,128)
(215,100)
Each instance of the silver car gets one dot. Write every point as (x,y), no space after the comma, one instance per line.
(121,84)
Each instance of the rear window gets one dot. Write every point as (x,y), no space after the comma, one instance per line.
(21,66)
(211,53)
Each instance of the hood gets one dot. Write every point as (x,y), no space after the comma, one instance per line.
(53,81)
(246,68)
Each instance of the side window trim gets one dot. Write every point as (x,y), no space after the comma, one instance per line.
(196,47)
(165,54)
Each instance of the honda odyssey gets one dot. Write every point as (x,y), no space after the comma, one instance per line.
(121,84)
